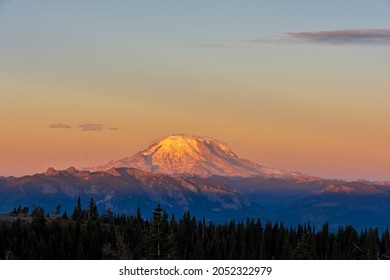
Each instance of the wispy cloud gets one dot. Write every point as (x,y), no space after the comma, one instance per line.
(351,36)
(83,127)
(204,45)
(334,37)
(59,125)
(91,127)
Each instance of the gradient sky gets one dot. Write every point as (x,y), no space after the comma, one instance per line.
(299,85)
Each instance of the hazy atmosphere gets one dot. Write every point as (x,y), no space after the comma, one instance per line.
(299,85)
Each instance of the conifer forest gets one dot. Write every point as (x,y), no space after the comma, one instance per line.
(86,234)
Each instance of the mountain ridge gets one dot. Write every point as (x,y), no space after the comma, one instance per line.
(218,198)
(203,175)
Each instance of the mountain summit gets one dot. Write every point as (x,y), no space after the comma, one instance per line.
(192,155)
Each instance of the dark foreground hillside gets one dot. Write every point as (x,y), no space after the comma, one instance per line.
(87,235)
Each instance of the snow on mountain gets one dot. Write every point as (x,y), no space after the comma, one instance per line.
(194,155)
(337,189)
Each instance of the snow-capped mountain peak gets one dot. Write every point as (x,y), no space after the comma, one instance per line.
(192,155)
(191,147)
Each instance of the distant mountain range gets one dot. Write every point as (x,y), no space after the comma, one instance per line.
(203,175)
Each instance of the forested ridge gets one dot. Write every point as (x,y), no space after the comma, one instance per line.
(87,235)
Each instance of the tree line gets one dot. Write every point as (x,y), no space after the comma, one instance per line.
(88,235)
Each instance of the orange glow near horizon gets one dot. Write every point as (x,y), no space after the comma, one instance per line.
(320,108)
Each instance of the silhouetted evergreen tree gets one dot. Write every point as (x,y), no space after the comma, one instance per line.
(78,211)
(303,250)
(92,210)
(157,238)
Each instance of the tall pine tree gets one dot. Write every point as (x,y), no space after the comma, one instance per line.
(157,240)
(78,211)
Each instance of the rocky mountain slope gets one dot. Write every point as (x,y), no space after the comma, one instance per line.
(122,190)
